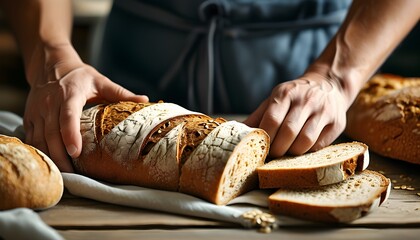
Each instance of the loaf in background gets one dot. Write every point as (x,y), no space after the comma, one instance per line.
(386,116)
(28,177)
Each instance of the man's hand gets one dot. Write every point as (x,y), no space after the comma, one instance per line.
(301,115)
(56,100)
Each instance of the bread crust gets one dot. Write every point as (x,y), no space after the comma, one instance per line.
(117,156)
(386,116)
(28,177)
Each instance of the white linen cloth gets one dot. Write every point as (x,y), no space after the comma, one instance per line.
(24,224)
(171,202)
(21,223)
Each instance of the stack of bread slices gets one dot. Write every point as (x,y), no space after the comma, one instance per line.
(329,185)
(167,147)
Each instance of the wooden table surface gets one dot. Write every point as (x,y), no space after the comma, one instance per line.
(397,218)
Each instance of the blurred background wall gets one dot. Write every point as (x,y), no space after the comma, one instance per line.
(88,16)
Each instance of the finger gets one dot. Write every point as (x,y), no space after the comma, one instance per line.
(288,131)
(254,118)
(308,135)
(113,92)
(70,113)
(273,117)
(53,138)
(328,135)
(29,131)
(38,139)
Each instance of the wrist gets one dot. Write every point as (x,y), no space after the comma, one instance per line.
(348,80)
(47,59)
(348,69)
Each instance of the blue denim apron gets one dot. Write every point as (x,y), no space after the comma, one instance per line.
(214,56)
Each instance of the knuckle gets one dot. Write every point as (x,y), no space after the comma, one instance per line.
(272,119)
(307,139)
(290,128)
(51,133)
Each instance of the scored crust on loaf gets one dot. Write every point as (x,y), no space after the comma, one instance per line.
(116,156)
(329,165)
(341,202)
(110,115)
(170,150)
(162,162)
(22,169)
(161,145)
(164,130)
(386,116)
(125,141)
(194,132)
(224,164)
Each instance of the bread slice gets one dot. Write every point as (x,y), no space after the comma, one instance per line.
(329,165)
(342,202)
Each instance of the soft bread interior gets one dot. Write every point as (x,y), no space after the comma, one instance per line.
(240,173)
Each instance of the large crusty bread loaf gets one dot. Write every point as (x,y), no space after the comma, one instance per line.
(386,116)
(329,165)
(341,202)
(165,146)
(28,178)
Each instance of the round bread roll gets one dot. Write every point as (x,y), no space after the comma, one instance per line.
(28,177)
(386,116)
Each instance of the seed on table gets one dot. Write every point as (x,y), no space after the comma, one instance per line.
(265,230)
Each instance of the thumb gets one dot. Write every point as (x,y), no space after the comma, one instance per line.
(254,119)
(113,92)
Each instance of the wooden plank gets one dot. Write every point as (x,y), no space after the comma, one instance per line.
(284,234)
(77,213)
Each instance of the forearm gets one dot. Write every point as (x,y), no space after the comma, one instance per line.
(39,26)
(371,31)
